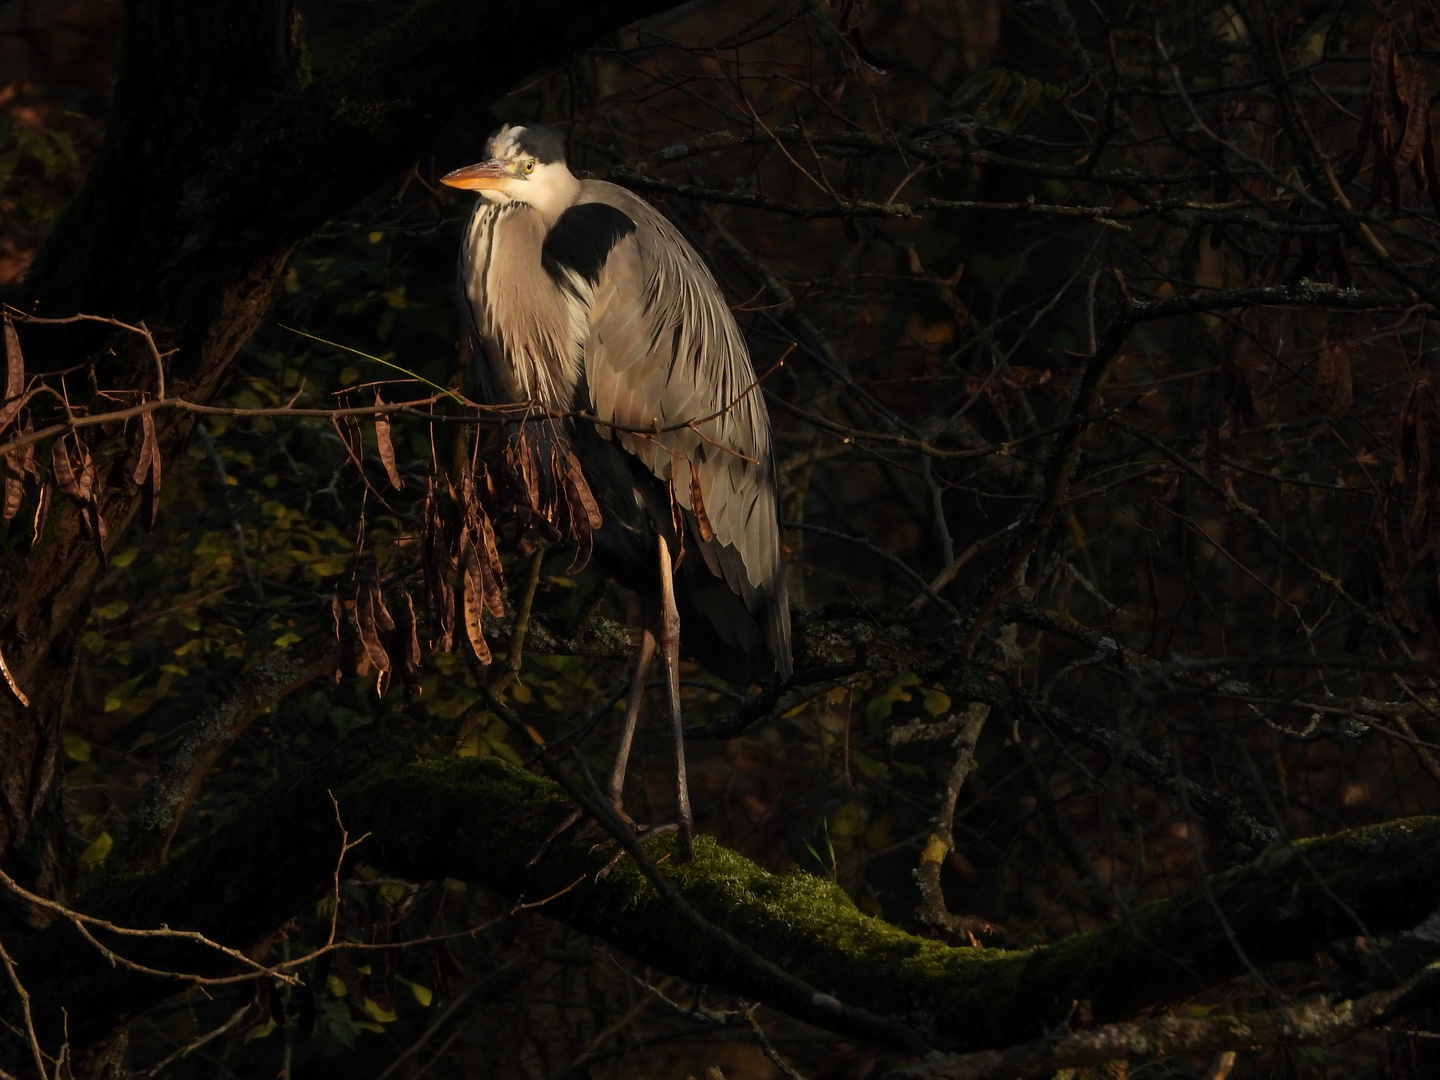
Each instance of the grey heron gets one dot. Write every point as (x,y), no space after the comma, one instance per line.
(582,297)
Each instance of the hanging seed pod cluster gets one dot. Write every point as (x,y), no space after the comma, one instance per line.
(73,469)
(533,492)
(1396,124)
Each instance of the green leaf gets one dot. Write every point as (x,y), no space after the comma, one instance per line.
(117,696)
(261,1030)
(373,1009)
(95,854)
(392,892)
(877,770)
(76,748)
(423,994)
(936,702)
(849,821)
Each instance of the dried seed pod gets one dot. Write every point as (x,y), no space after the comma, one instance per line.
(14,362)
(386,448)
(697,506)
(474,602)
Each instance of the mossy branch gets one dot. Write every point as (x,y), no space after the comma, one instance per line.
(481,820)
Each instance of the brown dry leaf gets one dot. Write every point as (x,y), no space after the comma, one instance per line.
(11,409)
(14,494)
(386,448)
(527,471)
(1334,384)
(443,603)
(148,469)
(582,489)
(492,552)
(1431,181)
(1419,426)
(85,477)
(383,619)
(1384,94)
(1380,76)
(584,548)
(412,643)
(145,453)
(18,464)
(1417,117)
(26,454)
(14,363)
(697,505)
(64,470)
(436,562)
(407,645)
(90,486)
(494,596)
(367,621)
(42,511)
(82,487)
(344,639)
(474,601)
(10,682)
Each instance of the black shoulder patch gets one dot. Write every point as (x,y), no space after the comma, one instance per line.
(582,240)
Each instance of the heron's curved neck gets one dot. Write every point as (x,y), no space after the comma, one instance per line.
(555,194)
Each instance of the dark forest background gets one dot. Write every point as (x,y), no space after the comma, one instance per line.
(1096,340)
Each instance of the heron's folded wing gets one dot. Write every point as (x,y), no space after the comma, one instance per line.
(665,354)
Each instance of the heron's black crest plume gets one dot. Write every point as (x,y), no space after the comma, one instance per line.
(540,141)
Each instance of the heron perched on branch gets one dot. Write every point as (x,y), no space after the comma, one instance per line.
(580,296)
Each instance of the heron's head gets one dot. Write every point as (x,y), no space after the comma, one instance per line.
(525,165)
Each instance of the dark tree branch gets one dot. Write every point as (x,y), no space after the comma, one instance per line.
(163,801)
(1309,1023)
(483,821)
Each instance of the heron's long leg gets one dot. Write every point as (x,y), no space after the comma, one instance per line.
(615,786)
(670,649)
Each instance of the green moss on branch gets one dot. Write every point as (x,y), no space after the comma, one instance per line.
(482,820)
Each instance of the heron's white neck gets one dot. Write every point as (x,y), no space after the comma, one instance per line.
(550,190)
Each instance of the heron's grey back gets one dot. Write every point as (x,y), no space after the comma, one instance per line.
(665,350)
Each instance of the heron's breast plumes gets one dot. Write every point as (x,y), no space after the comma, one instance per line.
(528,324)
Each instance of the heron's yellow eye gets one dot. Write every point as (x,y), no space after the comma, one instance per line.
(528,167)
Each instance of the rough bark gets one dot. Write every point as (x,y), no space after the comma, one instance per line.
(482,821)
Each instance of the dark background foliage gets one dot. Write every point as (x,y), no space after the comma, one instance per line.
(938,217)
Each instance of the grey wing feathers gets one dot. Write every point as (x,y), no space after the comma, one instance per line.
(663,350)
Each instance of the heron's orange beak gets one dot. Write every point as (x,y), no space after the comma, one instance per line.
(486,175)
